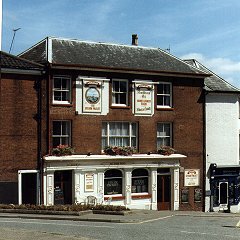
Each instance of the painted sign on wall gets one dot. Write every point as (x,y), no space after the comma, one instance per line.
(143,99)
(191,177)
(89,181)
(92,96)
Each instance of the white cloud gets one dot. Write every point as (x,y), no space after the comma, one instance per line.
(224,67)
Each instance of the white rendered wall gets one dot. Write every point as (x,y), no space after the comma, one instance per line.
(222,132)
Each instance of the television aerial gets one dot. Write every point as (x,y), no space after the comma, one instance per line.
(14,33)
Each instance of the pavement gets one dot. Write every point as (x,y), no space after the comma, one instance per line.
(133,216)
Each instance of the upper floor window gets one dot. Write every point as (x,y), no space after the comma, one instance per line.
(164,134)
(61,133)
(164,95)
(119,134)
(61,89)
(119,92)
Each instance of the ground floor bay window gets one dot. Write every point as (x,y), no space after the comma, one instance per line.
(140,181)
(113,182)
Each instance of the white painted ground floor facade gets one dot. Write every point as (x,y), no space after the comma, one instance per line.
(139,181)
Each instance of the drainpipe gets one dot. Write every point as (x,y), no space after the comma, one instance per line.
(38,118)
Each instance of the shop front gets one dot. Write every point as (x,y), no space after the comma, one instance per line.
(139,181)
(225,188)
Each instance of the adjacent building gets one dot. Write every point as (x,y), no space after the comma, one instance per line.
(222,127)
(20,82)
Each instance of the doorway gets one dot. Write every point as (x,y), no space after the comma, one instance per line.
(63,187)
(28,184)
(164,189)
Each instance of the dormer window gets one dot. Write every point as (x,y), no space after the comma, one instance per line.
(61,89)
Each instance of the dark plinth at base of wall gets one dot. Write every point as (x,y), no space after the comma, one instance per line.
(8,192)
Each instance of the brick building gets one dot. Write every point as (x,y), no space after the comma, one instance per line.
(98,95)
(19,129)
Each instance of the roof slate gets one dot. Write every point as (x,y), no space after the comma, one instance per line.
(214,83)
(110,56)
(12,62)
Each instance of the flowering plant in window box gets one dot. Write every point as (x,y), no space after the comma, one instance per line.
(62,150)
(166,150)
(116,150)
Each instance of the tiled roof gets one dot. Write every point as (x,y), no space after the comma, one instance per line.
(214,82)
(103,55)
(12,62)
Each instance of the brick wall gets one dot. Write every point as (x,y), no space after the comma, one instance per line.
(18,129)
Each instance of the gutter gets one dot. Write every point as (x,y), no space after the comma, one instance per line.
(20,71)
(132,71)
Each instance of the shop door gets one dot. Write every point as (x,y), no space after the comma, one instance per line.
(223,195)
(164,192)
(63,187)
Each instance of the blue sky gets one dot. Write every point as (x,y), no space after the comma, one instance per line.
(208,30)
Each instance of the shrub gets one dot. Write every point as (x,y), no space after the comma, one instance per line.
(62,150)
(116,150)
(166,150)
(66,208)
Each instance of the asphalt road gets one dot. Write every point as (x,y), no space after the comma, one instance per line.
(166,228)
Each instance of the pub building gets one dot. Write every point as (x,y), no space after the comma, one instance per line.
(118,106)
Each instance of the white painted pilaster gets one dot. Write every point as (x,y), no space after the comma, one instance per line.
(50,188)
(176,189)
(77,177)
(128,186)
(100,187)
(153,188)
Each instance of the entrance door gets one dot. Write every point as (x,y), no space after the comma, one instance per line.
(164,192)
(223,195)
(29,188)
(63,187)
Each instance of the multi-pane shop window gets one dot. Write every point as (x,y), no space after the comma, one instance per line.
(113,182)
(164,95)
(119,92)
(61,89)
(61,133)
(119,134)
(139,181)
(164,134)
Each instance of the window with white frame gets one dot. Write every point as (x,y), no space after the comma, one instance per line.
(113,182)
(61,133)
(164,134)
(119,134)
(61,89)
(140,181)
(164,95)
(120,92)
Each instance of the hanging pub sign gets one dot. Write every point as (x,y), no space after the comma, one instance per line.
(92,96)
(191,177)
(143,99)
(89,182)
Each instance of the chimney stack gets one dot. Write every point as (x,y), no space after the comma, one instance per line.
(134,39)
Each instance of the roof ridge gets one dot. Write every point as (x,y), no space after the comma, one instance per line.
(105,43)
